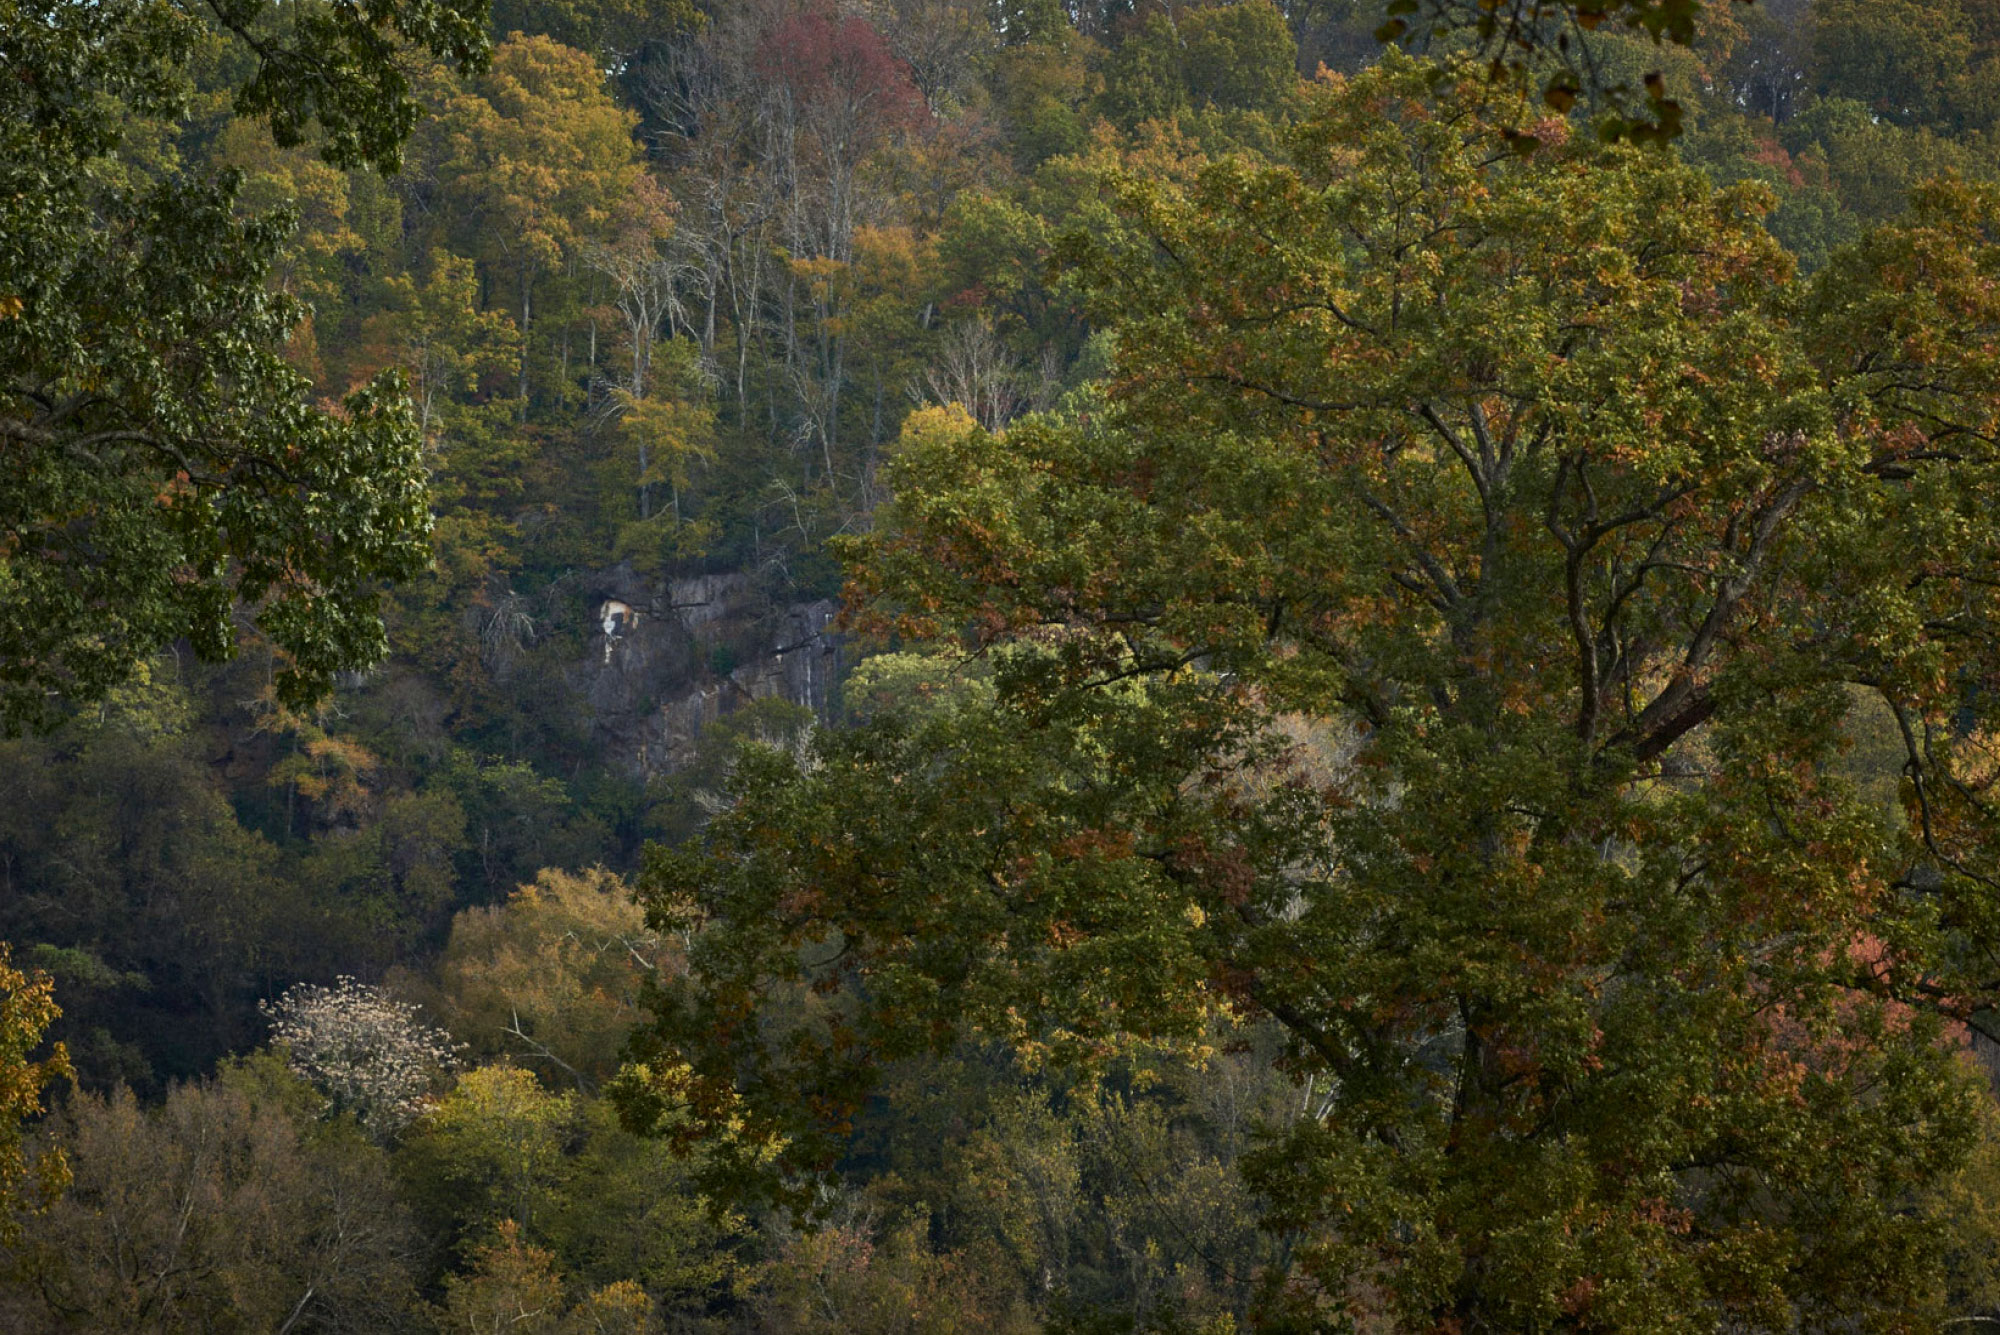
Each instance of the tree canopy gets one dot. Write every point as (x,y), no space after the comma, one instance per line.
(1443,641)
(1409,748)
(165,459)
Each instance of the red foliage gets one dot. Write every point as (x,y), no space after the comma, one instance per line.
(1770,153)
(839,72)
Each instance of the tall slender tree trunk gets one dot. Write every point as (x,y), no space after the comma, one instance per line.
(527,288)
(834,375)
(875,426)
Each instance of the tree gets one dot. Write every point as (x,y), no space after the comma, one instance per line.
(1546,49)
(1766,65)
(552,977)
(975,372)
(27,1007)
(164,462)
(666,435)
(1442,644)
(1039,89)
(642,277)
(665,431)
(229,1207)
(367,1053)
(131,881)
(620,32)
(535,158)
(557,1171)
(1552,48)
(491,1153)
(1872,165)
(334,237)
(840,1279)
(436,334)
(1142,78)
(1239,56)
(514,1287)
(940,42)
(835,95)
(1900,58)
(631,1211)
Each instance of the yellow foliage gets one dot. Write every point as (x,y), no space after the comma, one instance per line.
(553,975)
(27,1009)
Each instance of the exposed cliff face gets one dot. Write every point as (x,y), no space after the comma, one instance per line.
(667,658)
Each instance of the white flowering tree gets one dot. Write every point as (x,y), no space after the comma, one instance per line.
(363,1049)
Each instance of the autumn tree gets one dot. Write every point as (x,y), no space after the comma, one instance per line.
(229,1206)
(840,93)
(535,158)
(552,976)
(1442,644)
(513,1286)
(491,1152)
(808,165)
(836,95)
(643,278)
(667,425)
(503,1155)
(940,43)
(843,1279)
(433,330)
(27,1007)
(664,438)
(341,226)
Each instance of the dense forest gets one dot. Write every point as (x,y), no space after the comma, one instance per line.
(999,665)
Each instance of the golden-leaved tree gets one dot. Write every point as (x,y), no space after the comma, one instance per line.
(535,156)
(27,1009)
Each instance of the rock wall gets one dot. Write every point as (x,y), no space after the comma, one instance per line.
(666,659)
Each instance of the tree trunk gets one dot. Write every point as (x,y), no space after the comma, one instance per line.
(527,287)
